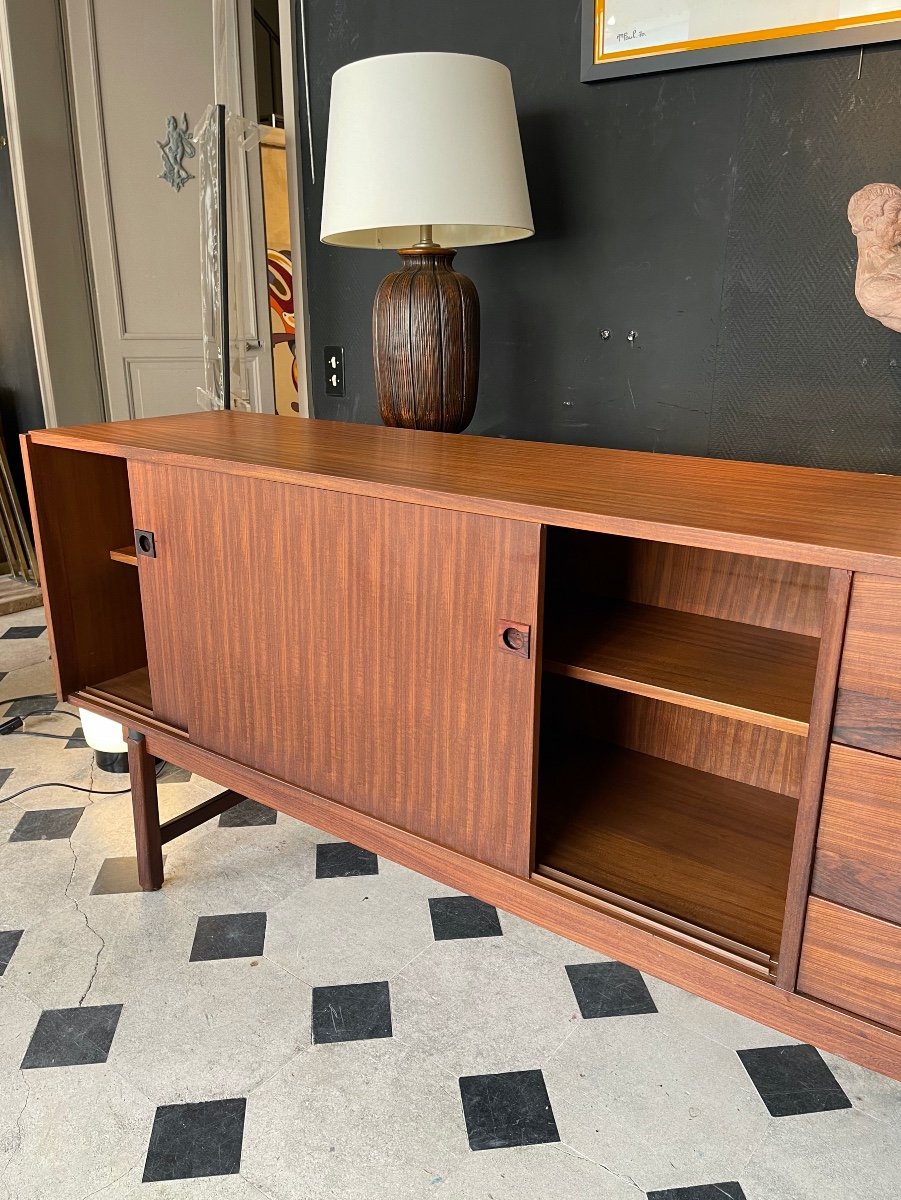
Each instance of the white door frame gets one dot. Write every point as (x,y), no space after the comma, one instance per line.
(290,39)
(234,84)
(46,183)
(48,211)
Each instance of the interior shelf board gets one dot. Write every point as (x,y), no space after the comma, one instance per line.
(131,689)
(764,676)
(695,846)
(125,554)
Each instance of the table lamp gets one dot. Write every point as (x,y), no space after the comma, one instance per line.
(423,157)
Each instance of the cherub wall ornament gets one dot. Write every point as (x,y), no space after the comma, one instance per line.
(875,216)
(178,143)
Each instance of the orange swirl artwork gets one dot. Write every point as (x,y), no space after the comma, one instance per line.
(281,304)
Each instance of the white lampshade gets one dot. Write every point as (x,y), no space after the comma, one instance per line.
(424,139)
(101,733)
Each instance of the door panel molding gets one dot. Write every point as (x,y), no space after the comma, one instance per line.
(144,238)
(49,212)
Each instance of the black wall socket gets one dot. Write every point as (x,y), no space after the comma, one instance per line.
(334,371)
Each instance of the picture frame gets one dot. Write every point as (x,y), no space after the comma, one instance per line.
(667,50)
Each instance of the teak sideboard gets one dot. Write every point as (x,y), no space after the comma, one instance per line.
(652,703)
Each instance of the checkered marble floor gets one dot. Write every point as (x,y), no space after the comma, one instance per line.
(292,1017)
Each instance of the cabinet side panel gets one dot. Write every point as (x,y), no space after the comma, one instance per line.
(837,597)
(350,645)
(81,510)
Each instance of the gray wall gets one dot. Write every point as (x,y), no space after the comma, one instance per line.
(704,209)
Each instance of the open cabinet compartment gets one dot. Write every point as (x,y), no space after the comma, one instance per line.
(676,697)
(85,526)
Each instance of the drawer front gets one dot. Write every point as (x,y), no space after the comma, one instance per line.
(868,708)
(858,857)
(852,961)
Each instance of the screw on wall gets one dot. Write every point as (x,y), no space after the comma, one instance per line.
(604,333)
(632,336)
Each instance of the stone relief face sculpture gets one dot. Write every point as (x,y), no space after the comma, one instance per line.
(875,216)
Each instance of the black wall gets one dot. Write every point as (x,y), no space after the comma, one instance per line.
(20,393)
(704,209)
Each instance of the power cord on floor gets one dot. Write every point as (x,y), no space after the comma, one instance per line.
(11,724)
(73,787)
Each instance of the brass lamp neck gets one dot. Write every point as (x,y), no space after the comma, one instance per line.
(425,239)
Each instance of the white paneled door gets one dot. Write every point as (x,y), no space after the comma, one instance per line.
(135,64)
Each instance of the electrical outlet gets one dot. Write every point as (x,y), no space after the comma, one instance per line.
(334,371)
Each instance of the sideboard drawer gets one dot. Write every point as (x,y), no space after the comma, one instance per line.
(868,708)
(858,856)
(852,961)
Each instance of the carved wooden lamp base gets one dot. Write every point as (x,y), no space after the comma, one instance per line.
(425,343)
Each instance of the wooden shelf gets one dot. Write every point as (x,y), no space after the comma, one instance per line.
(764,676)
(697,847)
(131,690)
(126,554)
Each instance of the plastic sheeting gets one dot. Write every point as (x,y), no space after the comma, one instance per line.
(241,136)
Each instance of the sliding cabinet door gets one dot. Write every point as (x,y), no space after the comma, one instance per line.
(351,645)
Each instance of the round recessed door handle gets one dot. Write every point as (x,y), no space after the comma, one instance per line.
(514,639)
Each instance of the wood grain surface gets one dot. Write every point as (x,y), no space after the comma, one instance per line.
(764,758)
(711,583)
(868,711)
(833,518)
(852,961)
(693,845)
(131,689)
(347,644)
(744,671)
(81,510)
(858,857)
(813,772)
(146,812)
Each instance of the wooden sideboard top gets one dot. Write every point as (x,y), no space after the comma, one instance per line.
(831,518)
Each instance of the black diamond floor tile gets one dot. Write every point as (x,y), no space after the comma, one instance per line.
(351,1012)
(793,1080)
(192,1141)
(117,876)
(343,860)
(248,812)
(704,1191)
(23,631)
(509,1109)
(231,935)
(76,741)
(9,940)
(5,773)
(46,824)
(72,1037)
(28,704)
(462,917)
(609,989)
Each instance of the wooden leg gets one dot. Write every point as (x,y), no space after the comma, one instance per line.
(142,771)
